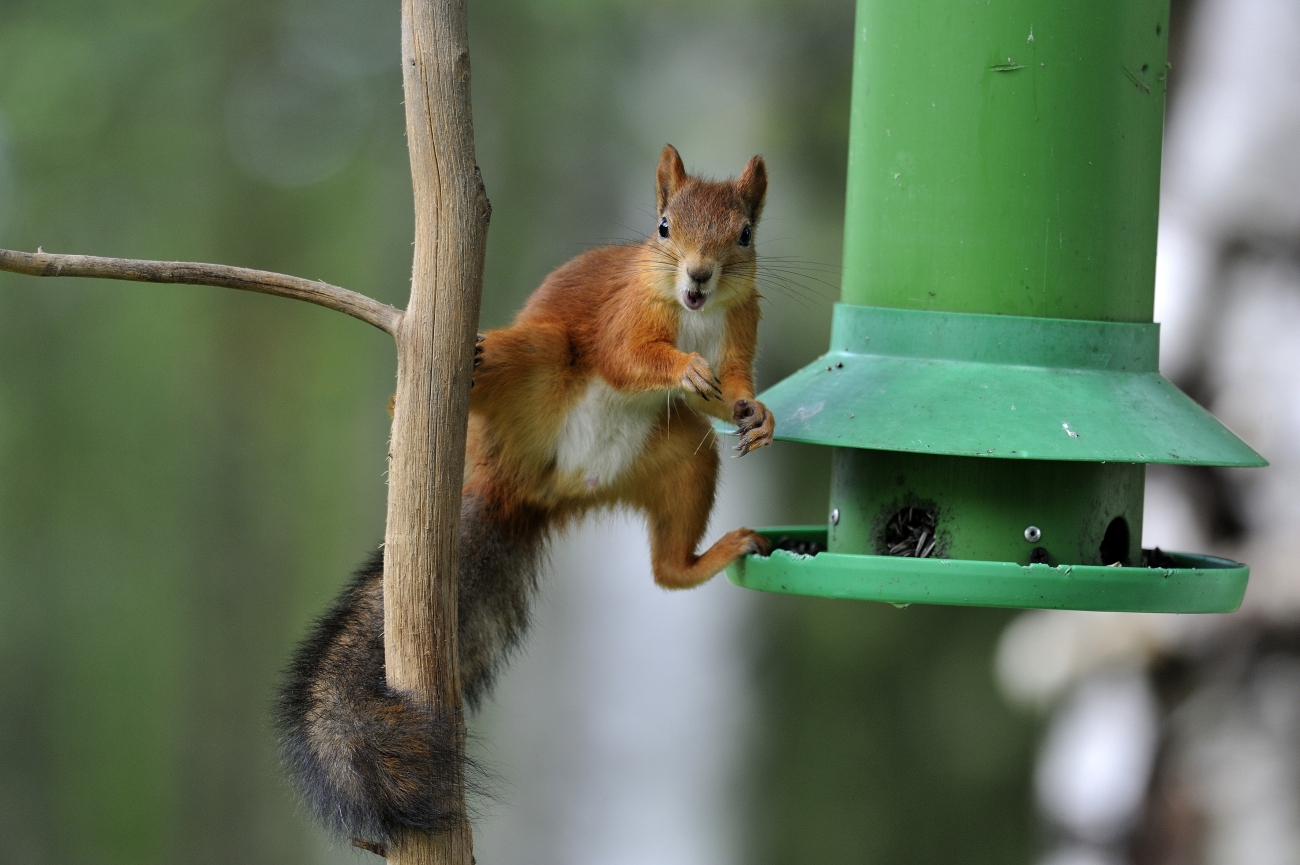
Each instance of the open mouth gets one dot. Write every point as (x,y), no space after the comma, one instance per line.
(693,298)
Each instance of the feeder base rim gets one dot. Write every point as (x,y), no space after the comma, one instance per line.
(1201,583)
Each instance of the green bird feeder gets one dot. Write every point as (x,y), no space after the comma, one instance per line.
(992,389)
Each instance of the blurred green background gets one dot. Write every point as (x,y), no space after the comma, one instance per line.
(187,474)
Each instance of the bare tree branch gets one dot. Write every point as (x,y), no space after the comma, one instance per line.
(371,311)
(378,849)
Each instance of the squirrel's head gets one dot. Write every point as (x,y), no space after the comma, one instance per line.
(704,243)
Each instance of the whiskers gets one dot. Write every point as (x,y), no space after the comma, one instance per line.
(659,260)
(703,440)
(807,283)
(674,402)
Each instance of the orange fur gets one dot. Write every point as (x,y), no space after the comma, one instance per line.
(564,393)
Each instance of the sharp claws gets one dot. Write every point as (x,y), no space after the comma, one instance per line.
(479,338)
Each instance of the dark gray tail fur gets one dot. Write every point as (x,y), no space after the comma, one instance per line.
(370,762)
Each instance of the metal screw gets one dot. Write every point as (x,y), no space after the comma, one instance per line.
(1033,534)
(835,517)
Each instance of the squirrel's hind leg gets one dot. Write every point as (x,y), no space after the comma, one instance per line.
(510,358)
(677,497)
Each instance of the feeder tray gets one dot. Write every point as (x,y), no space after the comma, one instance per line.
(1189,584)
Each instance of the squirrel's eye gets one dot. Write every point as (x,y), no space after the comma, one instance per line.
(663,227)
(744,236)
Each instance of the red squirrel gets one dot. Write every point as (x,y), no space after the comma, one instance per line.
(598,395)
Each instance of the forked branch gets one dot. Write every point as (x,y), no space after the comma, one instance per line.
(369,310)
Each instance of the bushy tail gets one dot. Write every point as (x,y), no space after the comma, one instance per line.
(372,763)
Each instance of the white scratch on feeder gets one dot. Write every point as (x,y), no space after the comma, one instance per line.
(805,412)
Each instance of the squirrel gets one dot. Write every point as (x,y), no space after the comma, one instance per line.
(598,395)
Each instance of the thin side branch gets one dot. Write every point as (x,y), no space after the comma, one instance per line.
(371,311)
(370,846)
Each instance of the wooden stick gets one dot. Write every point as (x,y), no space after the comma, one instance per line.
(371,847)
(435,351)
(371,311)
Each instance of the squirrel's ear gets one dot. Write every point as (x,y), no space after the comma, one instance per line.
(752,185)
(668,176)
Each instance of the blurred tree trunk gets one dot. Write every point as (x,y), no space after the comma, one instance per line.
(435,351)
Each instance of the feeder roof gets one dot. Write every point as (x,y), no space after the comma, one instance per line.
(1007,387)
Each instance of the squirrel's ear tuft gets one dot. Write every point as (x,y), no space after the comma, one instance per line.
(670,175)
(752,185)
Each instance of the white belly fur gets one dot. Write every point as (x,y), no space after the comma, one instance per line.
(605,432)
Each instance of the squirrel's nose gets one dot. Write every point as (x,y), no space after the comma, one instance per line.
(700,274)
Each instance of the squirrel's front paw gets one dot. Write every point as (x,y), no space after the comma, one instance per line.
(698,378)
(478,358)
(754,423)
